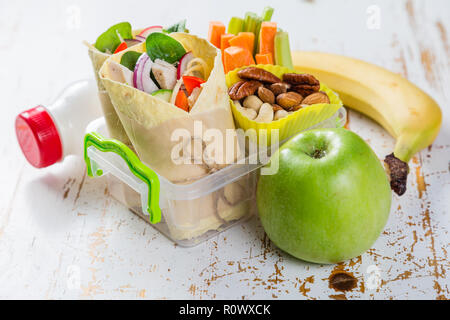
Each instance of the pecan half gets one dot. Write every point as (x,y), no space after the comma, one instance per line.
(305,84)
(243,89)
(253,73)
(232,92)
(305,89)
(300,78)
(398,173)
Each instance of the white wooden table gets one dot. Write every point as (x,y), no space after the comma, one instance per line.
(63,236)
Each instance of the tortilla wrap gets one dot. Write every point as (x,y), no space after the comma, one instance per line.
(150,122)
(113,123)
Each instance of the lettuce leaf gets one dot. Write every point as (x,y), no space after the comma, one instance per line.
(109,40)
(164,47)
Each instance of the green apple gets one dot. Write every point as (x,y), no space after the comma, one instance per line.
(329,200)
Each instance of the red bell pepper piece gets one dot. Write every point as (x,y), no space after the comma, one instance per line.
(121,47)
(181,101)
(191,83)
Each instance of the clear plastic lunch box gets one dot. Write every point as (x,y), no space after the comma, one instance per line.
(185,213)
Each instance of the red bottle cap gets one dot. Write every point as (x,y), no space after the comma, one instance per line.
(38,137)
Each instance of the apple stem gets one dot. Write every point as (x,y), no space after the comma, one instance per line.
(317,154)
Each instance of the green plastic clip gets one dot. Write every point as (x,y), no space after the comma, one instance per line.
(140,170)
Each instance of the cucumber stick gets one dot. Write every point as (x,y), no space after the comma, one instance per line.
(163,94)
(283,50)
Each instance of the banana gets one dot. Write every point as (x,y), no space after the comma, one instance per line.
(405,111)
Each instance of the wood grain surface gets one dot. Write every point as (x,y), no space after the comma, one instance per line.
(62,236)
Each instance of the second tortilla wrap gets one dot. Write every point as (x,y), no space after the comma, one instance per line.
(113,123)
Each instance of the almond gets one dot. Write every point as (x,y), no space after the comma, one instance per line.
(266,95)
(315,98)
(289,99)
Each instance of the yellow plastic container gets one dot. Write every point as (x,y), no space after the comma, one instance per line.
(300,120)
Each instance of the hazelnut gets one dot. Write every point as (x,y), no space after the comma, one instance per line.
(279,88)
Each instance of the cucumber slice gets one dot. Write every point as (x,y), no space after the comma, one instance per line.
(163,94)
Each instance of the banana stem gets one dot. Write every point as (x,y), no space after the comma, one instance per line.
(398,173)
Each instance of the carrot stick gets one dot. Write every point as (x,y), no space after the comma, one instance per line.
(224,40)
(235,57)
(215,31)
(267,37)
(264,58)
(243,40)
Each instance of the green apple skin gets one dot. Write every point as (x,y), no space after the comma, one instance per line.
(328,209)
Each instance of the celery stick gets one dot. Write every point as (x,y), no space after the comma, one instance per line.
(257,31)
(253,24)
(250,22)
(246,21)
(283,50)
(236,25)
(267,13)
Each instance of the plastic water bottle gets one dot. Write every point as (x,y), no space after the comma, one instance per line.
(47,135)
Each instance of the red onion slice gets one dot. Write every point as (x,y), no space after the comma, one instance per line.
(182,65)
(132,42)
(141,74)
(140,38)
(144,33)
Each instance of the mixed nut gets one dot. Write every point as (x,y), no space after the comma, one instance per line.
(263,97)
